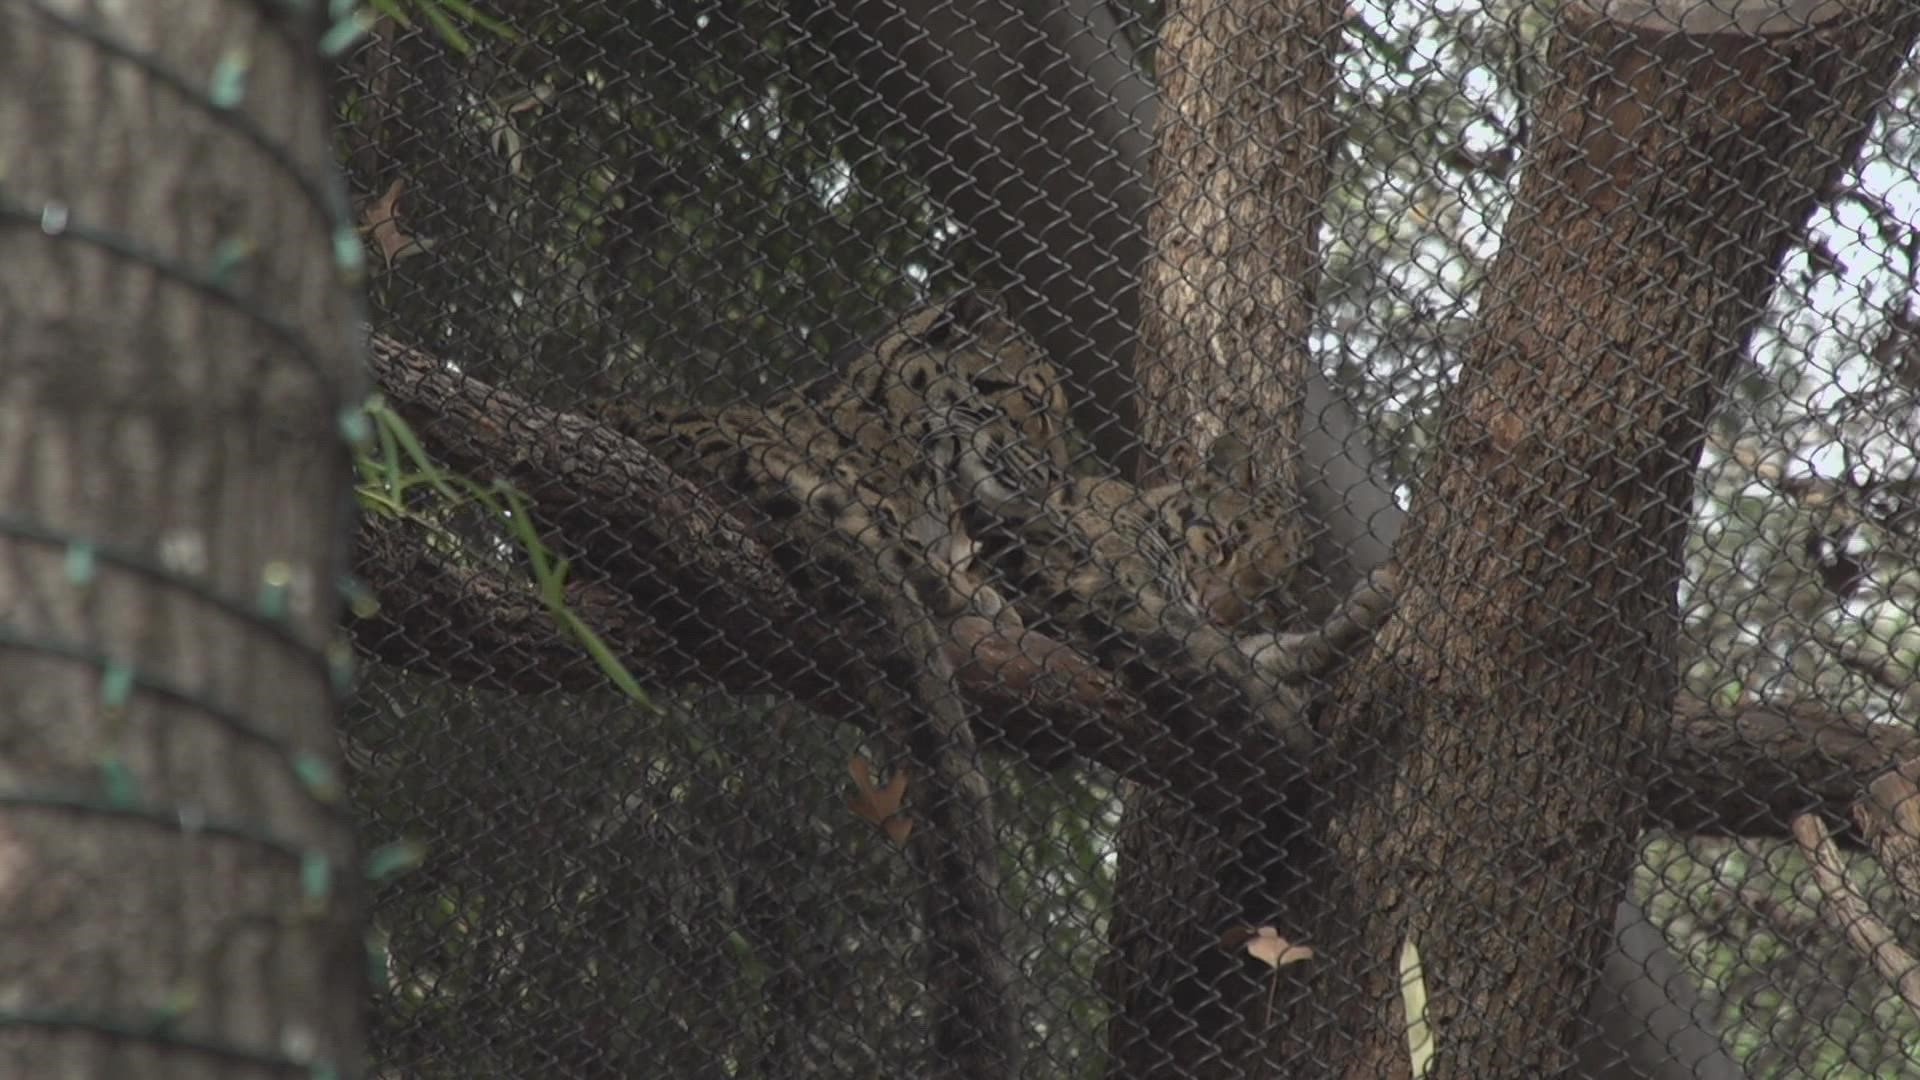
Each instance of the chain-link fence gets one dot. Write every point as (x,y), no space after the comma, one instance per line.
(955,618)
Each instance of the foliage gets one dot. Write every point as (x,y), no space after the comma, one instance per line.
(391,483)
(679,199)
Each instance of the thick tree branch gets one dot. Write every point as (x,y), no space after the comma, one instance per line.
(1890,820)
(477,624)
(1744,772)
(684,590)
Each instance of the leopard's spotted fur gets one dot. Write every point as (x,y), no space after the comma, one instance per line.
(852,446)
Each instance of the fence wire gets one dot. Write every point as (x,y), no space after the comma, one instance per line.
(952,441)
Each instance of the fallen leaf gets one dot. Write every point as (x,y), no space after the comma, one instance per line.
(1265,944)
(381,222)
(880,805)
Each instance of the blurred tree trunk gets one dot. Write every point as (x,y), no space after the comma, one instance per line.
(176,502)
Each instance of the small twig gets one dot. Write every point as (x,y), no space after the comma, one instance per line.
(1849,912)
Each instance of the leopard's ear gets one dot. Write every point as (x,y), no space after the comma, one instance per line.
(959,316)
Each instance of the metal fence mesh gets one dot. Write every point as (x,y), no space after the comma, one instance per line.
(602,225)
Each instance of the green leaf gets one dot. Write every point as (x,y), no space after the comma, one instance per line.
(516,518)
(1729,692)
(394,10)
(388,861)
(603,656)
(478,18)
(390,463)
(403,433)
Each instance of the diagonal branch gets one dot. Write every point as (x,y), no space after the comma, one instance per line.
(1849,912)
(683,590)
(1750,771)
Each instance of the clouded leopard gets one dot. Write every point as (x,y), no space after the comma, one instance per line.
(940,452)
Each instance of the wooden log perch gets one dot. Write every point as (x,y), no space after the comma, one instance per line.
(1890,819)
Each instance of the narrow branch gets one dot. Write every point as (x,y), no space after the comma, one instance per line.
(969,969)
(1849,912)
(1751,771)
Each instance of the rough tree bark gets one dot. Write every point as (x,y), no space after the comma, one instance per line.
(1227,302)
(173,472)
(1491,747)
(1227,306)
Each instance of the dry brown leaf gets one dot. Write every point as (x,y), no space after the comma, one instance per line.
(381,222)
(1265,944)
(880,805)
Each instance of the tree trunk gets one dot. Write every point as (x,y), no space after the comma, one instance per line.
(1502,729)
(179,893)
(1227,308)
(1228,302)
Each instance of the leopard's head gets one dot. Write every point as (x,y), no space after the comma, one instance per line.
(1242,546)
(966,345)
